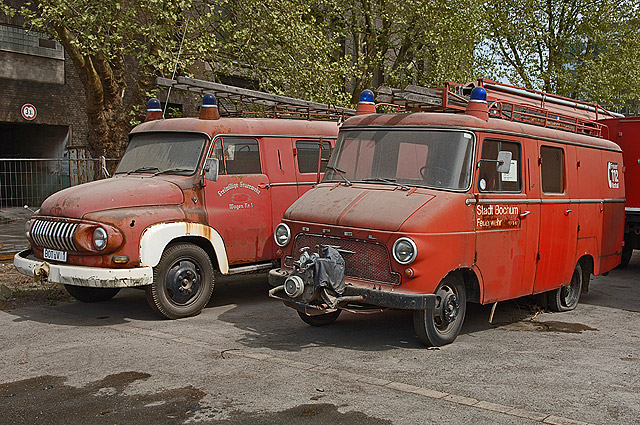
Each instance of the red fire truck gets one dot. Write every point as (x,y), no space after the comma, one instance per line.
(626,133)
(190,195)
(426,211)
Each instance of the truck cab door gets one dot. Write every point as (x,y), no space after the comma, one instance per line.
(505,222)
(238,203)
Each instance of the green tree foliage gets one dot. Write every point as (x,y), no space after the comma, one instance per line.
(399,42)
(118,47)
(585,49)
(316,49)
(286,46)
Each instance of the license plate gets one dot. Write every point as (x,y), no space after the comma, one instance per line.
(52,254)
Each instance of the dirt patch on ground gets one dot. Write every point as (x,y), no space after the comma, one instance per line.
(26,291)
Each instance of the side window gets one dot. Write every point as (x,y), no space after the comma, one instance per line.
(552,169)
(217,153)
(308,155)
(241,156)
(489,179)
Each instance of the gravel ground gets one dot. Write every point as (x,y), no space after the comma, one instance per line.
(26,291)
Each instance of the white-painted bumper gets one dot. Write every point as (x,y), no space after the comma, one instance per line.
(96,277)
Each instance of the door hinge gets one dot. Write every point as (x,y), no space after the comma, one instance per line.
(538,256)
(475,257)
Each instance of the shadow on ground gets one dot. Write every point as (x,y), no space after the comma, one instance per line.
(242,301)
(49,399)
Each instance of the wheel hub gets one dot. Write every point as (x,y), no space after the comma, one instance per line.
(183,282)
(450,306)
(447,307)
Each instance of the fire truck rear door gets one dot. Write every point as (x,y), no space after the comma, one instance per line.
(558,216)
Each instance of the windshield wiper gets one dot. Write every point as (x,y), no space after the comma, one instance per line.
(384,180)
(173,170)
(341,174)
(141,169)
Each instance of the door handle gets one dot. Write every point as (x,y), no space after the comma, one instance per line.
(524,214)
(567,212)
(264,186)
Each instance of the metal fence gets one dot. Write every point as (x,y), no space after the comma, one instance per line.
(30,181)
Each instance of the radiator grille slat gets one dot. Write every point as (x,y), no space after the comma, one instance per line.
(370,261)
(54,234)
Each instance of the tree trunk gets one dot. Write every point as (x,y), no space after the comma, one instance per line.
(106,89)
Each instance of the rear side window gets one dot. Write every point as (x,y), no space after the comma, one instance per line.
(552,169)
(308,151)
(241,156)
(489,179)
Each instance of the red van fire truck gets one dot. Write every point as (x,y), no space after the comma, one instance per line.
(190,195)
(425,211)
(626,133)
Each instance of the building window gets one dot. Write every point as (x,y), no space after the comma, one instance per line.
(19,40)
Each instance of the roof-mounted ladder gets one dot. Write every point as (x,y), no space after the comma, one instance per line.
(233,101)
(504,101)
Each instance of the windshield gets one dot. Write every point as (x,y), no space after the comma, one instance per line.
(428,158)
(171,153)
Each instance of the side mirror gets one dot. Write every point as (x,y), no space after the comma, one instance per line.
(211,169)
(504,162)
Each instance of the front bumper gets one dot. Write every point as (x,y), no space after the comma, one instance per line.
(369,297)
(96,277)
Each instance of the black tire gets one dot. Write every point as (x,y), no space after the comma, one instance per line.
(182,282)
(442,324)
(566,297)
(320,320)
(88,294)
(627,252)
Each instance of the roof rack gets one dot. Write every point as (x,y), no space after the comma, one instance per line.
(233,101)
(505,102)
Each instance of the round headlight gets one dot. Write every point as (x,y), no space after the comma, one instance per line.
(282,234)
(100,238)
(404,251)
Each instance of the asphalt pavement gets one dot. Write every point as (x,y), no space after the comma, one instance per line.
(247,359)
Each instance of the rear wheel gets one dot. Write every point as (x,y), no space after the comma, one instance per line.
(88,294)
(442,324)
(320,320)
(566,297)
(182,282)
(627,251)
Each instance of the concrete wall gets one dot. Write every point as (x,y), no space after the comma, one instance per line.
(43,77)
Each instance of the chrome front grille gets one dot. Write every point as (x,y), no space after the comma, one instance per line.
(54,234)
(363,260)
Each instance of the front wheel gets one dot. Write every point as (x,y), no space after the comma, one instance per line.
(566,297)
(442,324)
(88,294)
(182,282)
(321,319)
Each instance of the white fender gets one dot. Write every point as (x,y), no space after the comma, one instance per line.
(155,239)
